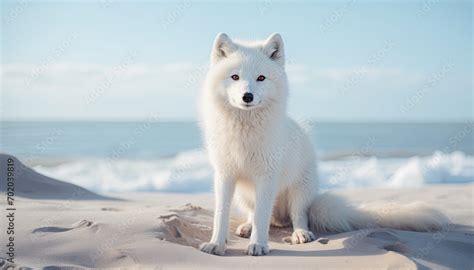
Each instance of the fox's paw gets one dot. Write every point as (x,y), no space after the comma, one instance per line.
(244,230)
(302,236)
(212,248)
(257,250)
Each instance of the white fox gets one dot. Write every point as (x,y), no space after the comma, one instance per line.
(267,160)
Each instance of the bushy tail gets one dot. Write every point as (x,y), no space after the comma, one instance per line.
(332,213)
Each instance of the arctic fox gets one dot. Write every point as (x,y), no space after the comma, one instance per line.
(267,160)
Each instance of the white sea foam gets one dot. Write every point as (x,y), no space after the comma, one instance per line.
(190,172)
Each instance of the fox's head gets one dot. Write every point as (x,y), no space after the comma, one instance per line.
(247,75)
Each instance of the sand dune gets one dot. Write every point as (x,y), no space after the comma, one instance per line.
(30,184)
(153,230)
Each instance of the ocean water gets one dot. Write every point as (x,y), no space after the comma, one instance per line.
(168,156)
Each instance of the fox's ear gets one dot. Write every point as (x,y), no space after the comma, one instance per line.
(223,46)
(273,47)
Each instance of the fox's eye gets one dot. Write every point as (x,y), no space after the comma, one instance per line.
(261,78)
(235,77)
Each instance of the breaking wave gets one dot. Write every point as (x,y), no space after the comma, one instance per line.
(191,172)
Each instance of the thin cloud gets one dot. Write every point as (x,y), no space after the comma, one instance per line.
(90,89)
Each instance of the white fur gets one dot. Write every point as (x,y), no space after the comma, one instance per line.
(267,160)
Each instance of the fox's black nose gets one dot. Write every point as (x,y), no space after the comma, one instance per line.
(248,97)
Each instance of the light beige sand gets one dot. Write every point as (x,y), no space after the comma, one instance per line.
(156,230)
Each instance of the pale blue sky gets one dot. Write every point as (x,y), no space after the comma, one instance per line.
(353,60)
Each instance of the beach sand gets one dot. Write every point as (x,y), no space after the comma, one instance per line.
(58,224)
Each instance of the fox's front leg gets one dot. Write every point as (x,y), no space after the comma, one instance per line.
(265,192)
(223,191)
